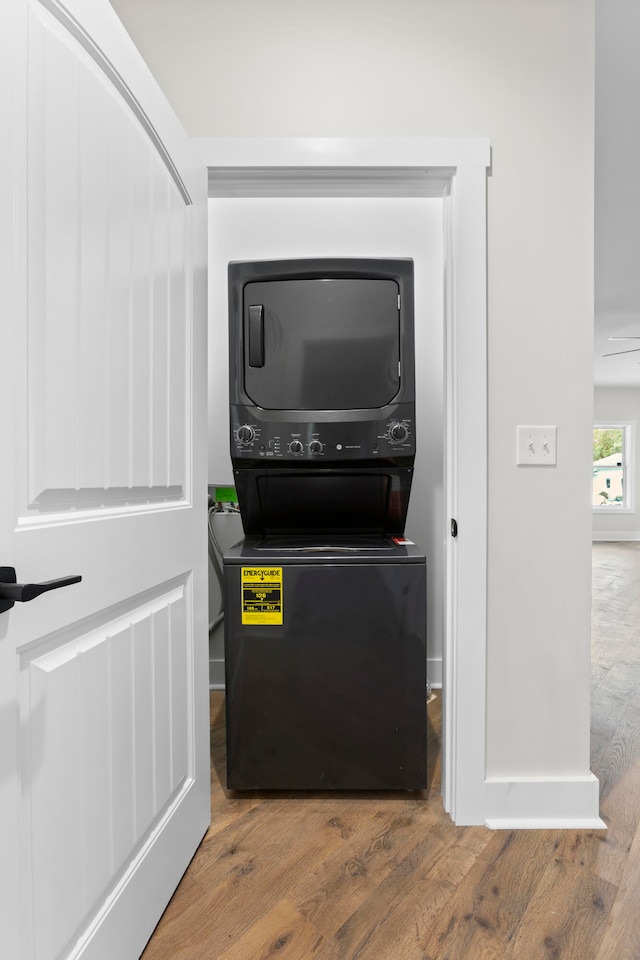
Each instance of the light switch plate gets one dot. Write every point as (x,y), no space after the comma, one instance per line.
(536,446)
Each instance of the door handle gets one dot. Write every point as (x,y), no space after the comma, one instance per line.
(256,335)
(12,592)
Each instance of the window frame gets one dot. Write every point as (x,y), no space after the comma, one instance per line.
(628,428)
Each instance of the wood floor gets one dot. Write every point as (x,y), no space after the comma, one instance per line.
(389,877)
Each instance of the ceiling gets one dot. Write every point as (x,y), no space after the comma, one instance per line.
(617,193)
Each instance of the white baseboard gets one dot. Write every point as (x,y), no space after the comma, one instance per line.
(554,804)
(613,535)
(434,673)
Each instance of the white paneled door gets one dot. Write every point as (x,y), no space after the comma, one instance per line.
(104,764)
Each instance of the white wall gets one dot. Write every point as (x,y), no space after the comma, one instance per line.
(617,151)
(619,403)
(521,73)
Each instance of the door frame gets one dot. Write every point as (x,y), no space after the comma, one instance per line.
(455,170)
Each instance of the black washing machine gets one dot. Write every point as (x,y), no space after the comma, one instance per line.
(325,653)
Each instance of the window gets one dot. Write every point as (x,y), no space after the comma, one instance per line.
(612,466)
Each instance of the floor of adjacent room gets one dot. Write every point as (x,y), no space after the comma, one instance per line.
(389,877)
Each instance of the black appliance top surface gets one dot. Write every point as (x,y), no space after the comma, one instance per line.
(318,549)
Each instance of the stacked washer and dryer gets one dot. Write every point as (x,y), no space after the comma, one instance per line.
(325,598)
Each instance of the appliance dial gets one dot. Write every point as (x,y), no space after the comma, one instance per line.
(315,447)
(398,432)
(296,446)
(245,433)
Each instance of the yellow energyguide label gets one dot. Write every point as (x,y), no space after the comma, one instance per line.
(261,595)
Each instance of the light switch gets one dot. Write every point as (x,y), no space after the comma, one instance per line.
(536,446)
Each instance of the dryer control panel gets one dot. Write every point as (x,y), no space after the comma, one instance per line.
(253,437)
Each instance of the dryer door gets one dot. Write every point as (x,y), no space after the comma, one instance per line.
(321,344)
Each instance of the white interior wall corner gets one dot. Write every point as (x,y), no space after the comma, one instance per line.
(525,74)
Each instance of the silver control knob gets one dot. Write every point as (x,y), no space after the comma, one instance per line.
(245,433)
(398,432)
(315,447)
(296,446)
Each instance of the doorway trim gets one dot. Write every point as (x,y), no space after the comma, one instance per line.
(455,170)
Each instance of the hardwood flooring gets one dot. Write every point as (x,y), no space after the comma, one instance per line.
(389,877)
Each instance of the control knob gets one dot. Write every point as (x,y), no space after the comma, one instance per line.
(245,433)
(315,447)
(295,446)
(398,432)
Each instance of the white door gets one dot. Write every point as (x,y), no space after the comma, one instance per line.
(104,760)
